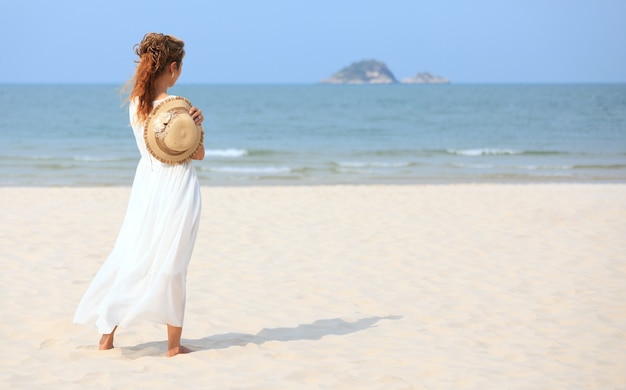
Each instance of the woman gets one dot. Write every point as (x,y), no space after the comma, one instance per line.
(144,277)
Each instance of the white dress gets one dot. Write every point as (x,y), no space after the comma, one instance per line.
(144,276)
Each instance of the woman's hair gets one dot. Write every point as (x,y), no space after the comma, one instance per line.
(156,52)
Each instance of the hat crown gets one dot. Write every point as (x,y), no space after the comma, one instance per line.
(180,131)
(170,132)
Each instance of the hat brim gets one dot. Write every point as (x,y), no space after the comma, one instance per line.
(156,147)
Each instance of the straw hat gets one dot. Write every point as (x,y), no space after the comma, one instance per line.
(171,135)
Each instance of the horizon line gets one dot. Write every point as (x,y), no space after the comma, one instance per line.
(205,83)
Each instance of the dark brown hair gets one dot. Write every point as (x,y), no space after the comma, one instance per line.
(156,52)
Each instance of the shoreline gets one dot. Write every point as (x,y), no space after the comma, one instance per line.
(364,183)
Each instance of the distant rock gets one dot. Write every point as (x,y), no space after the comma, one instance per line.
(363,72)
(425,78)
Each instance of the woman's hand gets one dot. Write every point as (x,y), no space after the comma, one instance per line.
(197,115)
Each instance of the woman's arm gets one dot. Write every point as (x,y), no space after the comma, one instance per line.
(199,154)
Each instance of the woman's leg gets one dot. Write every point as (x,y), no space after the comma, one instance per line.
(106,341)
(173,341)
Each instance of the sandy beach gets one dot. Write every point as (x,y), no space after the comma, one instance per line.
(337,287)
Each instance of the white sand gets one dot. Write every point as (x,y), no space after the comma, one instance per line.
(390,287)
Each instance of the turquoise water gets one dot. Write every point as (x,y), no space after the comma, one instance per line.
(78,135)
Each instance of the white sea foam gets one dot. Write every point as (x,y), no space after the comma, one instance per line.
(483,152)
(542,167)
(226,152)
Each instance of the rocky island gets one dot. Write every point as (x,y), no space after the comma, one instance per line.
(376,72)
(425,78)
(363,72)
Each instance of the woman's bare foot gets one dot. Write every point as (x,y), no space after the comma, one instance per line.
(106,341)
(173,341)
(177,351)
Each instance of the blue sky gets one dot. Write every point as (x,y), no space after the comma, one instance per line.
(299,41)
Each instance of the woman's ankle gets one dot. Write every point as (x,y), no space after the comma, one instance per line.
(106,341)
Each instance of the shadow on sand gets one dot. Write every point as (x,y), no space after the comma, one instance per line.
(313,331)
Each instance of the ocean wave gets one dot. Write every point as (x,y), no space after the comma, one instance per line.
(34,157)
(234,152)
(374,164)
(483,152)
(251,170)
(501,152)
(543,167)
(226,152)
(529,167)
(81,158)
(388,152)
(470,152)
(473,166)
(265,152)
(96,159)
(54,166)
(601,166)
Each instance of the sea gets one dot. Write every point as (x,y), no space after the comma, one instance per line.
(79,135)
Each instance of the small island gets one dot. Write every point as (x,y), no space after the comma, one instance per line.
(425,78)
(363,72)
(376,72)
